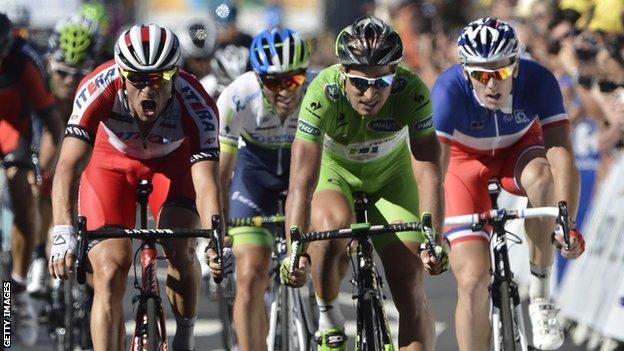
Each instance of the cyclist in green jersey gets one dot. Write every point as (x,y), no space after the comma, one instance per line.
(354,126)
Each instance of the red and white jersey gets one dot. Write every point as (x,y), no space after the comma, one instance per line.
(101,111)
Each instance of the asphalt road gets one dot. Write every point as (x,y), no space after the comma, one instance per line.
(440,292)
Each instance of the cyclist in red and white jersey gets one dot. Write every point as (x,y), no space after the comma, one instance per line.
(138,117)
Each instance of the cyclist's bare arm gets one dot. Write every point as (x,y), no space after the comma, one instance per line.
(74,156)
(305,164)
(560,155)
(226,167)
(428,174)
(53,121)
(205,180)
(445,158)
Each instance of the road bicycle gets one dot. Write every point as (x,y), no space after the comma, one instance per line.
(372,328)
(69,313)
(508,332)
(293,314)
(149,332)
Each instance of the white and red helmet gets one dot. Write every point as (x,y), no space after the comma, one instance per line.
(146,48)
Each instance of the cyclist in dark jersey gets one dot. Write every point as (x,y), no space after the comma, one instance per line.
(23,91)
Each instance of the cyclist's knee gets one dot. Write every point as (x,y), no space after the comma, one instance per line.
(537,177)
(110,273)
(472,285)
(250,277)
(330,251)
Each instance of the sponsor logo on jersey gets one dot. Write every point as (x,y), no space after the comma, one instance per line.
(398,85)
(421,101)
(424,124)
(332,91)
(199,108)
(520,116)
(241,103)
(308,128)
(384,125)
(79,132)
(93,85)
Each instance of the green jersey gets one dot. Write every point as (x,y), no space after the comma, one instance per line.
(369,154)
(327,117)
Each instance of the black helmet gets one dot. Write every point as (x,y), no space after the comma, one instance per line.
(369,41)
(6,35)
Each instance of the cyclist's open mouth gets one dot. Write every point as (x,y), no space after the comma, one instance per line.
(493,97)
(148,107)
(368,106)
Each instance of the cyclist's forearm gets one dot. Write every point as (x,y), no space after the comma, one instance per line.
(566,177)
(430,191)
(226,167)
(207,190)
(64,193)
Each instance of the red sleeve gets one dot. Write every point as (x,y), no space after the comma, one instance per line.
(94,101)
(38,93)
(200,119)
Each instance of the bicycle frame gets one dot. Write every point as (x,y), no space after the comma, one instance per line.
(506,315)
(150,317)
(366,279)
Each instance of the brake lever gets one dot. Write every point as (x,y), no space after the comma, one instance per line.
(296,249)
(81,250)
(428,230)
(216,243)
(564,221)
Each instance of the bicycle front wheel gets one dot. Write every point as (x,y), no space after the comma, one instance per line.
(153,331)
(507,319)
(68,314)
(226,307)
(370,336)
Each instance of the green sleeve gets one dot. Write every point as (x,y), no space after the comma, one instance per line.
(417,111)
(315,109)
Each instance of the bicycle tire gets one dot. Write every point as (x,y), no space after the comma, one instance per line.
(371,335)
(153,332)
(507,319)
(68,314)
(284,319)
(226,310)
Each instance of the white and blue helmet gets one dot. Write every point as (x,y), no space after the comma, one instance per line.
(487,40)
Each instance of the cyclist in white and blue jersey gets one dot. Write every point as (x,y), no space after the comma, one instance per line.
(258,113)
(500,116)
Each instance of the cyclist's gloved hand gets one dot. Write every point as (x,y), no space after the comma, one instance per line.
(62,252)
(300,274)
(437,265)
(229,261)
(577,243)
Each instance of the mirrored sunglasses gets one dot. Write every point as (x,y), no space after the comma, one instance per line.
(155,78)
(363,83)
(484,75)
(75,73)
(283,82)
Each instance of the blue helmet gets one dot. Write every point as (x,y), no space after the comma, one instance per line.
(278,50)
(487,40)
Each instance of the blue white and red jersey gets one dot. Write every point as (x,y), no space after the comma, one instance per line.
(101,108)
(462,120)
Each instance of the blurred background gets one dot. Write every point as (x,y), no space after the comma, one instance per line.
(580,41)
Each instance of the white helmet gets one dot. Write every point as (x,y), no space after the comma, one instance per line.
(229,62)
(145,48)
(198,37)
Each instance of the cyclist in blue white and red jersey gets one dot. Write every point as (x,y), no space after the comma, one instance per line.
(134,118)
(501,116)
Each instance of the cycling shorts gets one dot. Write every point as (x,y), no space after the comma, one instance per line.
(466,181)
(255,190)
(390,187)
(107,193)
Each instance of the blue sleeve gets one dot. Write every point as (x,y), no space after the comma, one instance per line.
(445,99)
(547,96)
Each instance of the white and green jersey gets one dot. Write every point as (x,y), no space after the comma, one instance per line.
(247,117)
(327,117)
